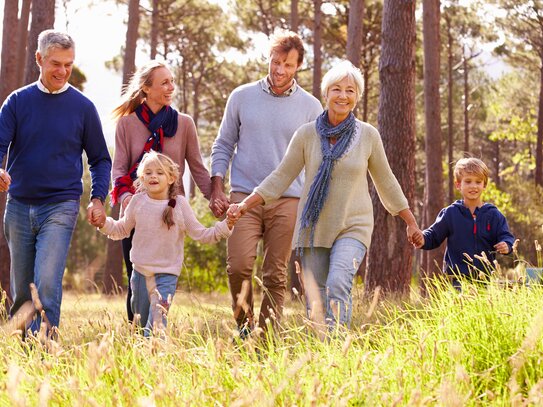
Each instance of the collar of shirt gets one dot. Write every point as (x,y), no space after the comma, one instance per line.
(266,87)
(42,87)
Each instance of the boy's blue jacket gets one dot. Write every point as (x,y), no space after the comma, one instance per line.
(467,233)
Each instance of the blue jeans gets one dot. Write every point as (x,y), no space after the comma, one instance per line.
(152,308)
(39,237)
(328,279)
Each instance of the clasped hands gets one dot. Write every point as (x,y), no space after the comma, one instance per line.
(235,212)
(415,236)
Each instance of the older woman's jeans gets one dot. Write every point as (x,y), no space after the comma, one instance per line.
(152,307)
(39,237)
(328,279)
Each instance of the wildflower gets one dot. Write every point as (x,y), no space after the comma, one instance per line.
(467,256)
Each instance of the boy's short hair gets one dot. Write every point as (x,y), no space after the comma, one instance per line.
(472,166)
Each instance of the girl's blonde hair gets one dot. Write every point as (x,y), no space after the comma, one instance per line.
(133,94)
(172,170)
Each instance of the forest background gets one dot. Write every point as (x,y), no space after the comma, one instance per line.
(429,89)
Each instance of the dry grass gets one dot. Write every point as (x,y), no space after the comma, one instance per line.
(480,347)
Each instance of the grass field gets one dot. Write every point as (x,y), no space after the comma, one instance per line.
(480,347)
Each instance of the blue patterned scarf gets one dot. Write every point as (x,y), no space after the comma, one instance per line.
(318,192)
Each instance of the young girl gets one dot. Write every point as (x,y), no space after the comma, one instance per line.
(161,219)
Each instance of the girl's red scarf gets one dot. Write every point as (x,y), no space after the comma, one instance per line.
(163,124)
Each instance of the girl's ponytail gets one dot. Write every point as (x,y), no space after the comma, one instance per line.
(167,215)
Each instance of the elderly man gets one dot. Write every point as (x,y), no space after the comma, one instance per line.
(44,129)
(257,126)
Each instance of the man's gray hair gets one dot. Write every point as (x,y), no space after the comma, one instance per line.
(54,39)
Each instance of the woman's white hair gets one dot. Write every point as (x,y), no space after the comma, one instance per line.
(339,72)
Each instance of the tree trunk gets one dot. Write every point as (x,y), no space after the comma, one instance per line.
(466,102)
(22,38)
(450,110)
(539,144)
(129,60)
(113,273)
(8,72)
(433,141)
(365,97)
(390,260)
(8,75)
(294,19)
(43,18)
(154,29)
(317,52)
(354,31)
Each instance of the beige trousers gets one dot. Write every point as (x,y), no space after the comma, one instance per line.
(274,223)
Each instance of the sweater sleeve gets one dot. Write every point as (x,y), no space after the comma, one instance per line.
(8,125)
(504,235)
(199,232)
(387,186)
(289,168)
(120,229)
(94,144)
(438,232)
(199,172)
(227,139)
(121,158)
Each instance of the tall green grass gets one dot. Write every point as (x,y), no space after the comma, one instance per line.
(479,347)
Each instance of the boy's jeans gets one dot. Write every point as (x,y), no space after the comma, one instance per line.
(39,237)
(152,308)
(329,275)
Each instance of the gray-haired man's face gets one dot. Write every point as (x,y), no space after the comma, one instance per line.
(56,67)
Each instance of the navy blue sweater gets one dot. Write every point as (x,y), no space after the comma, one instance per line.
(468,234)
(46,135)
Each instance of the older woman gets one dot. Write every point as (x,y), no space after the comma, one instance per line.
(335,215)
(147,121)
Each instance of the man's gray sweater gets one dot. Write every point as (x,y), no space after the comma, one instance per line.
(255,132)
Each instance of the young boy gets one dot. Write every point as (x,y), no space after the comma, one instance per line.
(469,225)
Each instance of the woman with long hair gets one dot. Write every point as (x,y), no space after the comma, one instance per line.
(147,121)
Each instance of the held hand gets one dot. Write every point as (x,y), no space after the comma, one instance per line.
(501,247)
(230,222)
(96,213)
(236,211)
(98,217)
(5,180)
(415,236)
(218,203)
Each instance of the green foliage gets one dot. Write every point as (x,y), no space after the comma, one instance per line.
(77,78)
(204,268)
